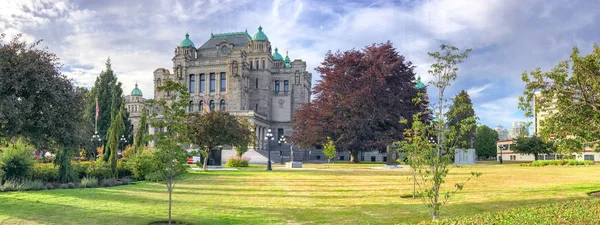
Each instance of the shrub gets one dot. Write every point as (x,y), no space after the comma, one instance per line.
(199,164)
(49,186)
(16,161)
(142,165)
(70,185)
(123,170)
(44,172)
(33,185)
(126,181)
(88,182)
(236,161)
(538,163)
(80,168)
(98,169)
(63,186)
(11,185)
(109,182)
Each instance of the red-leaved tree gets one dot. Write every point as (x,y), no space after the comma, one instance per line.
(360,100)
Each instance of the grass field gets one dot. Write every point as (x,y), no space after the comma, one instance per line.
(331,194)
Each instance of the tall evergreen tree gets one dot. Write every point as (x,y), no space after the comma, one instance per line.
(139,141)
(109,93)
(460,110)
(117,127)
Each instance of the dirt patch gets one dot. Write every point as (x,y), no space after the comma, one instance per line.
(595,194)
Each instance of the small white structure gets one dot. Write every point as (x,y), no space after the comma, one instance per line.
(464,156)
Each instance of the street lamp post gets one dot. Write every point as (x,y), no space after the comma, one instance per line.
(123,141)
(281,140)
(269,136)
(94,138)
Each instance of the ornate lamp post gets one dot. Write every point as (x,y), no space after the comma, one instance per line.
(269,136)
(281,140)
(95,138)
(123,141)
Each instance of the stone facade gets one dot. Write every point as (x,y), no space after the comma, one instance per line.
(134,104)
(241,74)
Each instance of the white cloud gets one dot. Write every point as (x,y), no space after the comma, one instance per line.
(475,92)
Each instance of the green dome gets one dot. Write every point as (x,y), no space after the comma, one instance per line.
(136,91)
(187,42)
(276,55)
(419,85)
(287,60)
(260,36)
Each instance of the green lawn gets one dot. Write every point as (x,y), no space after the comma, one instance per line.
(332,194)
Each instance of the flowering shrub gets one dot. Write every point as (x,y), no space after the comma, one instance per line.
(237,161)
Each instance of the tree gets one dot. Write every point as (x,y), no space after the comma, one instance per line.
(569,94)
(139,141)
(362,96)
(329,150)
(430,160)
(116,129)
(108,92)
(169,119)
(461,110)
(38,102)
(216,128)
(242,146)
(533,146)
(485,142)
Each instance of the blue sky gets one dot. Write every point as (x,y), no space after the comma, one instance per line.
(507,36)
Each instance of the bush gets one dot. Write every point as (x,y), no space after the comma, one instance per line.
(88,182)
(142,165)
(49,186)
(109,182)
(16,161)
(99,169)
(571,212)
(44,172)
(80,168)
(11,185)
(126,181)
(236,161)
(123,170)
(538,163)
(63,186)
(70,185)
(33,185)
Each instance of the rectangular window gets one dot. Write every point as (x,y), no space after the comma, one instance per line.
(286,86)
(250,64)
(192,83)
(385,158)
(588,157)
(202,83)
(263,64)
(256,83)
(212,82)
(223,82)
(513,157)
(318,157)
(279,132)
(256,108)
(341,157)
(276,86)
(373,159)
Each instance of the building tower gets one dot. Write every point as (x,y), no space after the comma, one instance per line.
(135,104)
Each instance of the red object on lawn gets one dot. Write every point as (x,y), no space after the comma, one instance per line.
(190,160)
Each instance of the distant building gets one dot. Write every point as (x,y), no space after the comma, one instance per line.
(505,150)
(516,129)
(134,104)
(502,132)
(539,115)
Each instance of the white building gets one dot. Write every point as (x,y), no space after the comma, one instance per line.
(502,132)
(516,129)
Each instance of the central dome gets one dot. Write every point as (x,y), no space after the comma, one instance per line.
(136,91)
(260,36)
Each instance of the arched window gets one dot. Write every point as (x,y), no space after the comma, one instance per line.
(250,64)
(200,105)
(222,105)
(158,82)
(212,105)
(286,86)
(191,107)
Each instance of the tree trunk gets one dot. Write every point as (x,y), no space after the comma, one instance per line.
(414,183)
(170,187)
(354,156)
(205,166)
